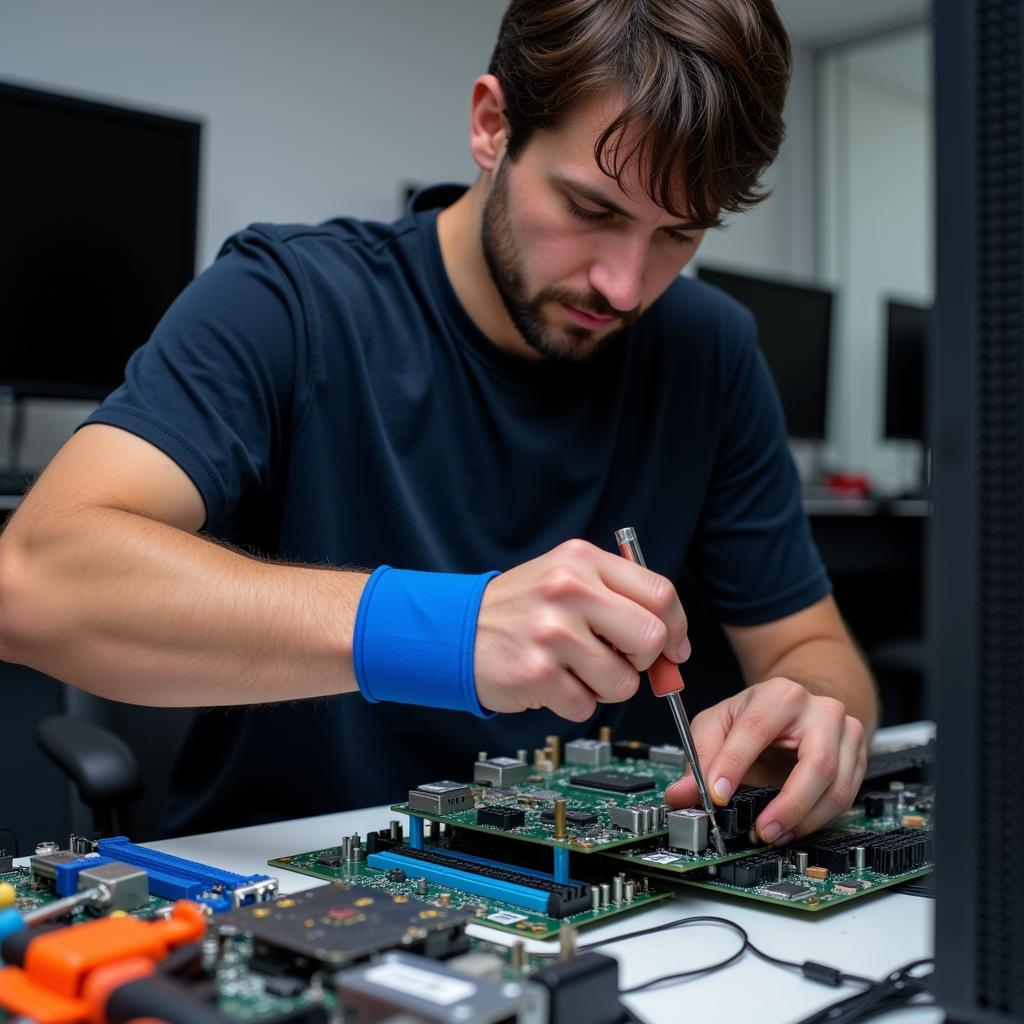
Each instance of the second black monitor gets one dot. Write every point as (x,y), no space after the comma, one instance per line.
(794,324)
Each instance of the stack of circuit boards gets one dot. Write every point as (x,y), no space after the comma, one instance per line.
(580,834)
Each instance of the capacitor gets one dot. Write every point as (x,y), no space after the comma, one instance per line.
(560,831)
(630,891)
(860,854)
(445,899)
(482,755)
(617,889)
(566,941)
(346,848)
(556,750)
(44,849)
(518,959)
(604,734)
(421,887)
(395,831)
(434,831)
(595,897)
(801,858)
(606,894)
(522,755)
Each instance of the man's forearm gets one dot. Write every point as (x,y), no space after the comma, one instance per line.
(136,610)
(833,667)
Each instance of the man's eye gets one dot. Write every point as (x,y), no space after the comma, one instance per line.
(589,216)
(678,237)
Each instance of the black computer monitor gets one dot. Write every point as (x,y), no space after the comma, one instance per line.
(977,532)
(906,352)
(98,236)
(794,329)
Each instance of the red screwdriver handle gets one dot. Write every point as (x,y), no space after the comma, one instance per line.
(665,677)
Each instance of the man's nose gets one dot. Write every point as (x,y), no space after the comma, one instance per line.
(618,273)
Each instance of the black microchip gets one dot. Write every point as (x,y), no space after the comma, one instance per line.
(501,817)
(614,782)
(284,986)
(789,890)
(329,860)
(397,875)
(577,818)
(6,863)
(338,924)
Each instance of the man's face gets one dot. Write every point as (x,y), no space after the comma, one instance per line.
(573,256)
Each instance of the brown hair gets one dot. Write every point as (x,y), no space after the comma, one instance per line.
(703,83)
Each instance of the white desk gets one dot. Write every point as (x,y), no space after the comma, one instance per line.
(867,937)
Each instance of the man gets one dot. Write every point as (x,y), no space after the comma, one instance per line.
(497,381)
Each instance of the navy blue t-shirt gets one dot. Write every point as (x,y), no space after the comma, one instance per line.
(334,404)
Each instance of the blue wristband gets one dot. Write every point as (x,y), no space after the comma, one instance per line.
(414,638)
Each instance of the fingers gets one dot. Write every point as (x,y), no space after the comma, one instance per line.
(813,796)
(709,730)
(650,591)
(767,712)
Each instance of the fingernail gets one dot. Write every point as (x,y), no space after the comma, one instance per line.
(723,789)
(685,650)
(770,831)
(782,840)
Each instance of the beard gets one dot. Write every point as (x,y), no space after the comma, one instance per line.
(571,343)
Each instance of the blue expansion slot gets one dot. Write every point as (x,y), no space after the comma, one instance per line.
(489,888)
(175,878)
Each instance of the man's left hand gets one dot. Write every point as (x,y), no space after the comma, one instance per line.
(778,732)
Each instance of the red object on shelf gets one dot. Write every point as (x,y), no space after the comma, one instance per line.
(849,485)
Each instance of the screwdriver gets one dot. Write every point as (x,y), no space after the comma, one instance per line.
(667,681)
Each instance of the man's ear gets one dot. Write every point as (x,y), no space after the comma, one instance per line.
(488,127)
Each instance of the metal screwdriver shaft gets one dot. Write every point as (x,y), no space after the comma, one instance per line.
(667,681)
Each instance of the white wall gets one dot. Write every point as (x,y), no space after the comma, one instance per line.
(316,108)
(876,232)
(777,238)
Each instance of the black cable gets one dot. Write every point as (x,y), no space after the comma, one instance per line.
(898,988)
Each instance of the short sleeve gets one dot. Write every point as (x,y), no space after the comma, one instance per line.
(219,381)
(754,552)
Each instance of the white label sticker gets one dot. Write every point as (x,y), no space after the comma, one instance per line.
(506,917)
(415,981)
(661,858)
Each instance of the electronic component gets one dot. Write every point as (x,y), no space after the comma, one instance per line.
(578,818)
(337,924)
(668,754)
(6,862)
(490,879)
(399,986)
(789,890)
(444,797)
(801,859)
(500,771)
(329,860)
(502,817)
(912,821)
(848,886)
(128,886)
(688,830)
(639,818)
(396,875)
(880,805)
(631,749)
(592,753)
(761,868)
(582,990)
(818,873)
(176,878)
(613,782)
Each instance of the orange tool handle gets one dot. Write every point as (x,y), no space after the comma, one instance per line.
(665,677)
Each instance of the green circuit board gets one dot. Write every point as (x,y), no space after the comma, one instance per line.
(821,895)
(535,795)
(28,898)
(492,913)
(655,855)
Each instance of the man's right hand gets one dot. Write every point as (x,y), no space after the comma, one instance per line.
(571,628)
